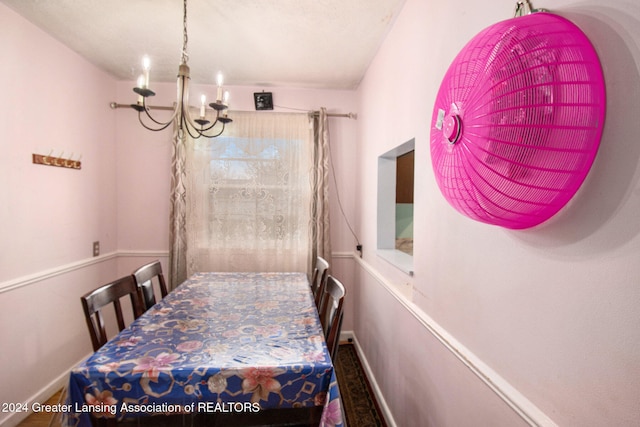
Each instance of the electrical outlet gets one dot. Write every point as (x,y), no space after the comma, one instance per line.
(96,248)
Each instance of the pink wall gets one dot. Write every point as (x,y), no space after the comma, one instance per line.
(548,316)
(52,101)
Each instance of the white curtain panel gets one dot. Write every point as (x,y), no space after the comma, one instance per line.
(248,195)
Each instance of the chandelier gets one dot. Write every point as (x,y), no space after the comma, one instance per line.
(195,127)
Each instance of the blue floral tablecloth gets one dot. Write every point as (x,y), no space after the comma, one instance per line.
(220,342)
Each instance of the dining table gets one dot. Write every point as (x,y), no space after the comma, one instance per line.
(219,344)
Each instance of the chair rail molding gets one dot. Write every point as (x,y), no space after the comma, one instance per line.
(529,412)
(40,276)
(41,396)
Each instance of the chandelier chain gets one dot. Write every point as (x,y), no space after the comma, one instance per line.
(185,37)
(196,127)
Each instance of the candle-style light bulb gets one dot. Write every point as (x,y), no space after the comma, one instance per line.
(226,103)
(146,66)
(203,100)
(140,85)
(219,82)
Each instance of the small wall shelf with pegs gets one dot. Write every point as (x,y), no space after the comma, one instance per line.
(48,160)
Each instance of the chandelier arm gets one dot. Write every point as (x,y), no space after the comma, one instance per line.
(211,126)
(163,126)
(190,128)
(186,113)
(218,134)
(188,120)
(187,116)
(202,133)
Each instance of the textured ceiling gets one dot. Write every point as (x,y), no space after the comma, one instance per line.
(300,43)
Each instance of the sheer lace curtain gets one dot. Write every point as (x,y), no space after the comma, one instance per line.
(247,197)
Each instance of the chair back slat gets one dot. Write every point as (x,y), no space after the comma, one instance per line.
(144,277)
(319,279)
(331,313)
(93,302)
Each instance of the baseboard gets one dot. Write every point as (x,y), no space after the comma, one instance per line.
(386,411)
(41,396)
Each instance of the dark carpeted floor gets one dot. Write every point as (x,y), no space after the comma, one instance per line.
(360,405)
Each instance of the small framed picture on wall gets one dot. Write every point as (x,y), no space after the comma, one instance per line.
(263,100)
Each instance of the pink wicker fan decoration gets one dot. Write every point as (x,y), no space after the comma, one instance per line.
(518,120)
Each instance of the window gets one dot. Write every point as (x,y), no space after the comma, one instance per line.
(249,195)
(395,206)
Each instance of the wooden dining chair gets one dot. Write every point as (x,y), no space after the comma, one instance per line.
(94,301)
(331,311)
(319,279)
(145,277)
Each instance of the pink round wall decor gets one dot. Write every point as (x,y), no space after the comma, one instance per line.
(517,121)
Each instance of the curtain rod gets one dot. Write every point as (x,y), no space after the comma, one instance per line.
(347,115)
(115,105)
